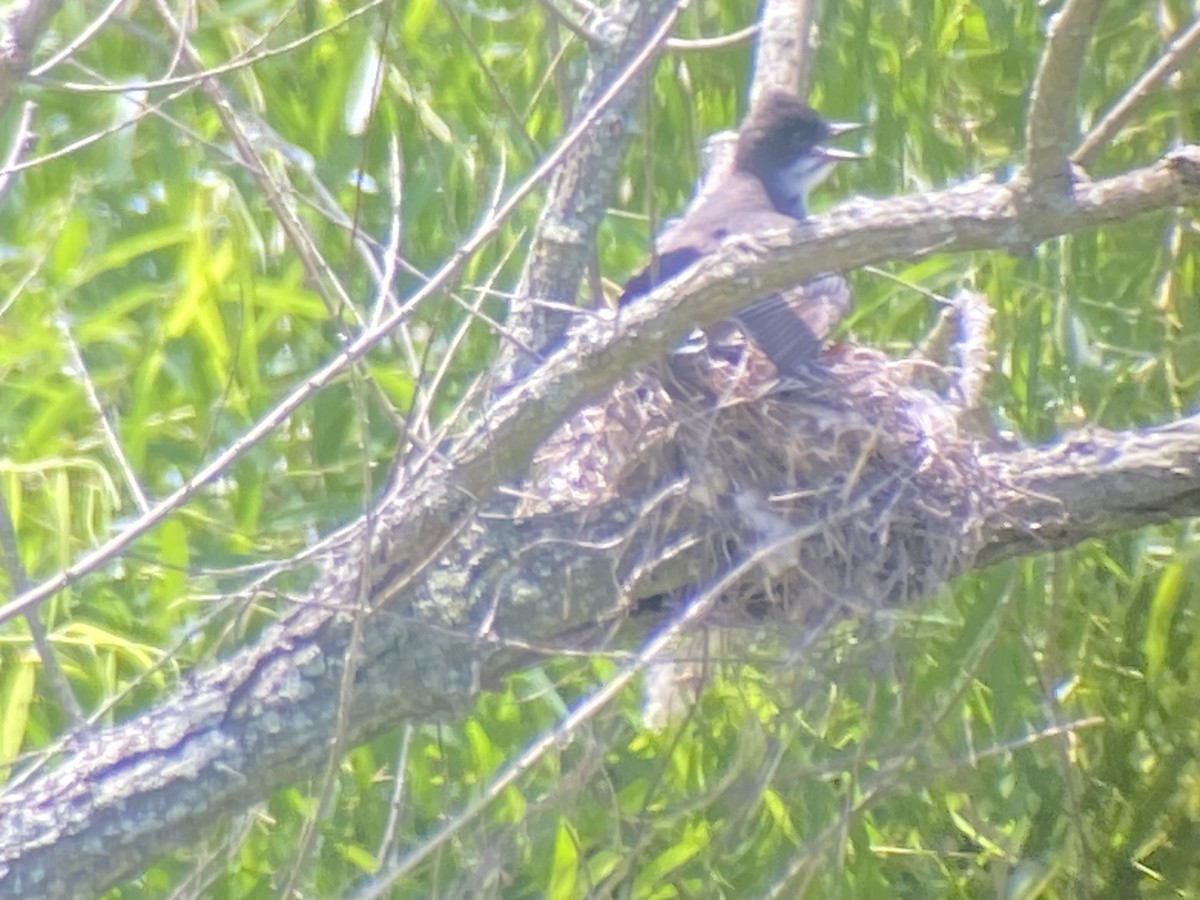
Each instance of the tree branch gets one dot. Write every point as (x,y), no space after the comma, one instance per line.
(583,184)
(1094,483)
(460,599)
(1050,133)
(1180,50)
(784,49)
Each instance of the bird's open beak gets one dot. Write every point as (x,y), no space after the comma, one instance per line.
(834,154)
(837,129)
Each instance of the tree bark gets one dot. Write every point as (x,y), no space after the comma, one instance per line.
(445,623)
(455,599)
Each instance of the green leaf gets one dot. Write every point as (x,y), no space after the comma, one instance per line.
(70,245)
(17,680)
(359,857)
(564,863)
(1157,639)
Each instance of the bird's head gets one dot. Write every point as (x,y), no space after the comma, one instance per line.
(781,142)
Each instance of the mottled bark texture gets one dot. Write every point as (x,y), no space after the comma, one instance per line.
(868,487)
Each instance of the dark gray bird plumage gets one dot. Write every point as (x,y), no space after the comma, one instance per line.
(779,159)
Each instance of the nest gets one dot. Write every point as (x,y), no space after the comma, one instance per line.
(856,489)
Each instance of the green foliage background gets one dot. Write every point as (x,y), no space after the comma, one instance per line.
(921,755)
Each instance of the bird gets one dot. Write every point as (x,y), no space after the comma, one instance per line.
(779,158)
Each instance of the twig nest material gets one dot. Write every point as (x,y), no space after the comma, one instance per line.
(857,489)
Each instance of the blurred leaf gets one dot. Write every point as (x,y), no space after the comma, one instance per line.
(1162,613)
(564,863)
(18,676)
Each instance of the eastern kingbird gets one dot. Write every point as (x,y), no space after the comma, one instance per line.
(779,159)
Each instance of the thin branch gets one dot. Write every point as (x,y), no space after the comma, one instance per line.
(1050,131)
(109,436)
(720,42)
(22,139)
(520,131)
(553,13)
(347,356)
(316,268)
(244,60)
(396,805)
(131,121)
(1114,120)
(581,186)
(72,46)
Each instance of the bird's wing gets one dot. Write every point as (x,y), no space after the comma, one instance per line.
(670,263)
(787,327)
(822,303)
(780,334)
(790,327)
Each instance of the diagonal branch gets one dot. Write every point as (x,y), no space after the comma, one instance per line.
(583,183)
(460,600)
(345,357)
(1181,49)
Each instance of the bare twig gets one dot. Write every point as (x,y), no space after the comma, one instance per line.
(720,42)
(347,356)
(69,49)
(111,441)
(554,14)
(396,805)
(520,132)
(1050,130)
(1114,120)
(22,136)
(350,660)
(244,60)
(318,270)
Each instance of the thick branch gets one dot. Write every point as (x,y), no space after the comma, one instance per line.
(452,590)
(123,796)
(784,48)
(1094,483)
(583,184)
